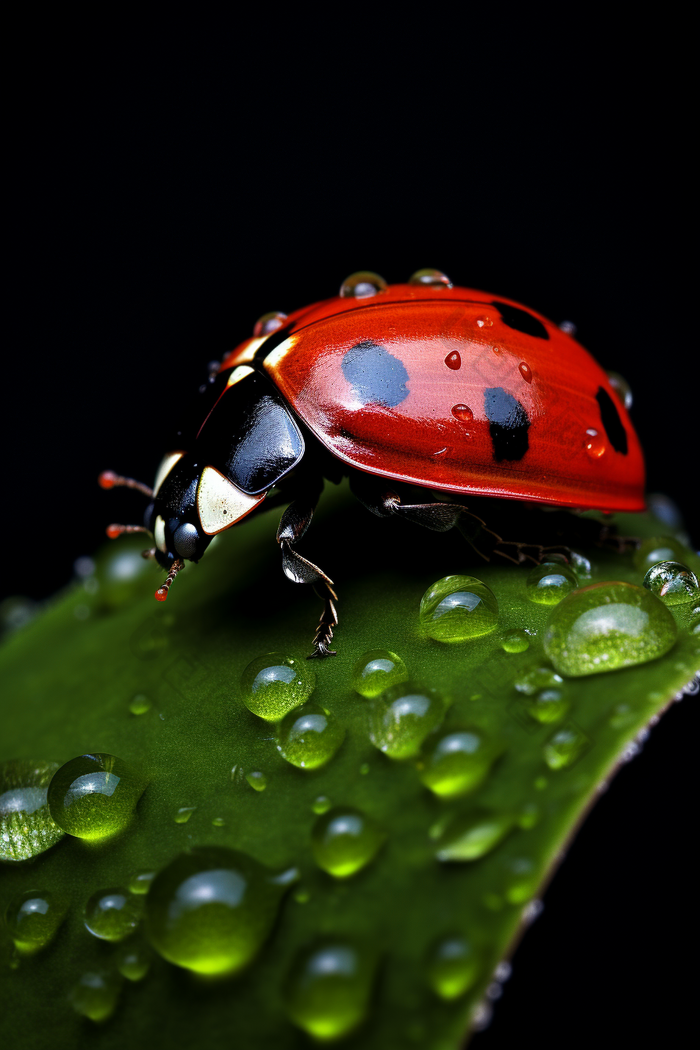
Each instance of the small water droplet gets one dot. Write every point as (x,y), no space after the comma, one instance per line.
(581,565)
(33,918)
(454,360)
(139,704)
(533,679)
(134,961)
(595,444)
(257,780)
(621,388)
(308,736)
(452,967)
(321,804)
(673,582)
(484,322)
(26,825)
(402,717)
(376,670)
(470,836)
(211,909)
(515,641)
(362,285)
(183,814)
(547,706)
(112,914)
(565,747)
(329,987)
(140,881)
(344,840)
(458,608)
(529,815)
(457,762)
(95,996)
(606,626)
(532,911)
(94,796)
(463,413)
(219,822)
(430,278)
(364,769)
(268,323)
(274,684)
(548,583)
(302,895)
(525,372)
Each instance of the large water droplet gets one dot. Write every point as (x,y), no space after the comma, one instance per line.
(274,684)
(548,583)
(376,670)
(26,826)
(457,762)
(308,737)
(458,608)
(33,917)
(565,747)
(515,641)
(656,549)
(211,909)
(112,914)
(94,796)
(452,967)
(362,285)
(401,718)
(429,278)
(96,995)
(344,840)
(673,582)
(606,626)
(472,835)
(134,961)
(329,988)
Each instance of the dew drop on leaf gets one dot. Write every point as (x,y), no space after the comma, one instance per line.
(402,717)
(329,988)
(33,918)
(274,684)
(376,670)
(565,747)
(134,961)
(457,762)
(470,836)
(26,825)
(515,641)
(673,582)
(308,737)
(457,608)
(344,840)
(548,583)
(95,995)
(94,796)
(112,914)
(452,966)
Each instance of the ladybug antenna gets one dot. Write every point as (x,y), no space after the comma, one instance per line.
(162,592)
(120,530)
(109,480)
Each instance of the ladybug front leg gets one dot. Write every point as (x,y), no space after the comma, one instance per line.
(293,524)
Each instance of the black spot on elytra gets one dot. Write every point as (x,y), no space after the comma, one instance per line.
(610,418)
(376,375)
(508,424)
(521,320)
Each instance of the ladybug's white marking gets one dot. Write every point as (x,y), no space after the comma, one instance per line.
(167,464)
(220,503)
(280,352)
(159,534)
(240,372)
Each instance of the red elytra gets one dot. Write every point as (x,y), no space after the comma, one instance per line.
(532,399)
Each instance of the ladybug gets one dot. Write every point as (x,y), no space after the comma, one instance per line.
(421,384)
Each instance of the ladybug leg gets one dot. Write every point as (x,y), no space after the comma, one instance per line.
(293,524)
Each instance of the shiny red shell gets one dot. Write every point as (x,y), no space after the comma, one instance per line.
(451,363)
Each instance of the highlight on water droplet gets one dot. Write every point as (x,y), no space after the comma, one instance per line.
(344,840)
(112,914)
(376,670)
(401,718)
(656,549)
(268,323)
(134,961)
(26,825)
(673,582)
(458,608)
(566,746)
(257,780)
(94,796)
(139,704)
(321,804)
(595,444)
(183,814)
(96,994)
(453,360)
(33,918)
(452,966)
(457,762)
(211,909)
(621,388)
(484,322)
(463,413)
(606,626)
(329,988)
(469,836)
(515,640)
(430,278)
(548,583)
(525,372)
(274,684)
(140,881)
(308,737)
(362,285)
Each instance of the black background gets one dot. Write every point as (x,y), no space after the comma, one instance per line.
(172,182)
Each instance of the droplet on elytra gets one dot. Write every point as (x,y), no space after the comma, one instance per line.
(565,746)
(525,372)
(329,988)
(548,705)
(344,840)
(452,966)
(26,825)
(457,762)
(673,582)
(548,583)
(470,836)
(484,322)
(621,388)
(454,360)
(515,640)
(463,413)
(533,679)
(402,717)
(257,780)
(274,684)
(430,278)
(458,608)
(595,444)
(606,626)
(33,918)
(362,285)
(96,994)
(211,909)
(376,670)
(139,704)
(656,549)
(269,323)
(134,961)
(112,914)
(183,814)
(94,796)
(140,881)
(308,737)
(321,804)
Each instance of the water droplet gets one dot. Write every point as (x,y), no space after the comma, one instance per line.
(376,670)
(673,582)
(94,796)
(302,895)
(581,565)
(621,388)
(401,718)
(548,583)
(140,881)
(96,994)
(656,549)
(112,914)
(308,737)
(268,323)
(606,626)
(211,909)
(321,804)
(525,372)
(453,360)
(329,988)
(484,322)
(457,762)
(274,684)
(362,285)
(364,769)
(515,641)
(463,413)
(452,967)
(26,826)
(345,840)
(139,704)
(595,444)
(522,883)
(565,746)
(549,705)
(430,279)
(472,835)
(134,961)
(458,608)
(533,679)
(33,917)
(532,911)
(219,822)
(568,327)
(183,814)
(257,780)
